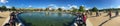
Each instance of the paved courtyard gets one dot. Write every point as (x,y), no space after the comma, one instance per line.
(103,20)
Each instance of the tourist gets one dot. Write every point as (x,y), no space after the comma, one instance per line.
(97,14)
(84,17)
(90,13)
(12,14)
(117,13)
(81,19)
(110,14)
(12,21)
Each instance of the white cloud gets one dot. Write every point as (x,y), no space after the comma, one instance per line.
(8,6)
(87,8)
(30,6)
(70,6)
(63,7)
(53,6)
(74,6)
(3,1)
(82,5)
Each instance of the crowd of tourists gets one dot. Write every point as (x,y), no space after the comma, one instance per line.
(83,16)
(80,19)
(12,20)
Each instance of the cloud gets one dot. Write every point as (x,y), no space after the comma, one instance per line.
(8,6)
(53,6)
(62,7)
(82,5)
(87,8)
(30,6)
(70,6)
(3,1)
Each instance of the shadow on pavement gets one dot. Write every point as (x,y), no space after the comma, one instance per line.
(1,17)
(107,20)
(91,16)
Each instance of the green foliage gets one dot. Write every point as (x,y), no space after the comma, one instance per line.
(60,9)
(3,8)
(13,9)
(0,8)
(81,9)
(94,9)
(74,9)
(46,9)
(53,9)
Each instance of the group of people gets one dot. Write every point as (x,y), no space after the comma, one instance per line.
(110,13)
(84,15)
(12,20)
(81,17)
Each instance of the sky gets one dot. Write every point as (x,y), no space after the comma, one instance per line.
(65,4)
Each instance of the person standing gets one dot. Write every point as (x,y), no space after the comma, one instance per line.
(84,17)
(110,14)
(12,19)
(12,14)
(97,14)
(117,13)
(90,13)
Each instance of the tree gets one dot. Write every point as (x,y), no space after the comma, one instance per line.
(94,9)
(41,9)
(81,9)
(46,9)
(0,8)
(60,9)
(53,9)
(3,8)
(74,9)
(13,9)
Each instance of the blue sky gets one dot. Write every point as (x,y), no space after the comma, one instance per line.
(66,4)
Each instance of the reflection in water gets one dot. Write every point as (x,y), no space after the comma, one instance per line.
(60,14)
(47,18)
(47,13)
